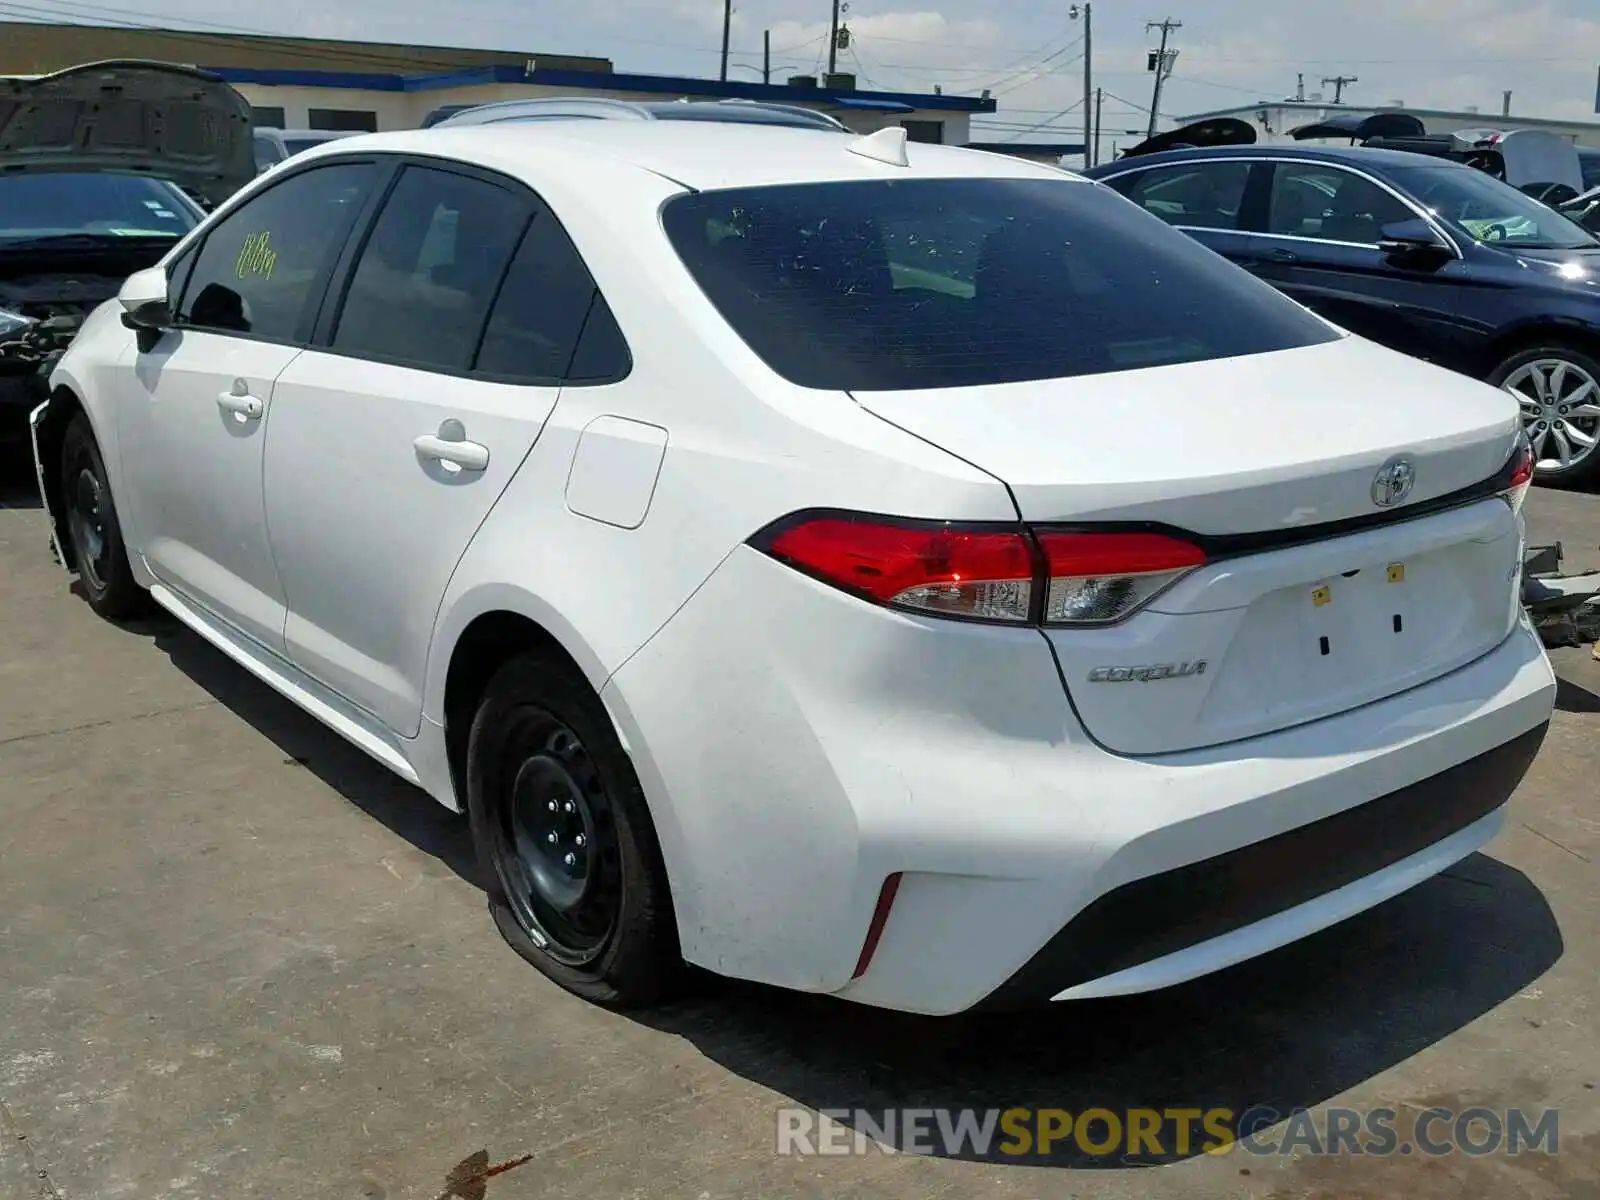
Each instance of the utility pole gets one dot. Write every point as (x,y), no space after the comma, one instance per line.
(1087,12)
(833,40)
(1099,113)
(727,27)
(1161,63)
(1339,82)
(766,56)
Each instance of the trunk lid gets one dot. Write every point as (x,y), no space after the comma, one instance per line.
(181,124)
(1247,452)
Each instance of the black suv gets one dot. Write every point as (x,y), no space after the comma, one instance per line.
(1427,256)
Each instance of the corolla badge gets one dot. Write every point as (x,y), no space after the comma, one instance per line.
(1149,674)
(1393,482)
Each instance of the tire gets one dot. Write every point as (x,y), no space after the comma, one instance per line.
(90,515)
(590,909)
(1557,420)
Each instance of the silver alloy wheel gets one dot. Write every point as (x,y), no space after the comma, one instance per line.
(1560,410)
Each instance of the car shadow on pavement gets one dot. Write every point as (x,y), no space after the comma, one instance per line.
(382,795)
(1572,698)
(1290,1030)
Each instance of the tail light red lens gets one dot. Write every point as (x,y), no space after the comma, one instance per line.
(1012,575)
(1521,473)
(980,574)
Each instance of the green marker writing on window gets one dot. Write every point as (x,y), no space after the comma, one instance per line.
(256,257)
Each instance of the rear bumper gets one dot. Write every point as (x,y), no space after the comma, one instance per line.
(1185,922)
(798,747)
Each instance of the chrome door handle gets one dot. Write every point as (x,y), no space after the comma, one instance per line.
(1285,256)
(241,404)
(467,456)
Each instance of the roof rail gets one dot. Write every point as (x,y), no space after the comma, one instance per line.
(592,108)
(732,111)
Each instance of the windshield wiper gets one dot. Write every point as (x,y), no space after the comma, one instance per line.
(68,241)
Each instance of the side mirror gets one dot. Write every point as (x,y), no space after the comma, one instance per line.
(1411,238)
(143,297)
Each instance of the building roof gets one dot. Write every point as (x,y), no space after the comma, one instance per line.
(607,81)
(36,47)
(1320,108)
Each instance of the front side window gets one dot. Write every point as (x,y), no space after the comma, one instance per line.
(1199,195)
(422,288)
(1490,211)
(1315,200)
(37,207)
(262,266)
(930,283)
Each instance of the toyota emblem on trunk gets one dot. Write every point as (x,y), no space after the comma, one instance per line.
(1393,482)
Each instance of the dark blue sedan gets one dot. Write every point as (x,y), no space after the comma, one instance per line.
(1427,256)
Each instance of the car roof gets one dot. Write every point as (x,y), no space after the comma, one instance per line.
(313,135)
(695,154)
(1355,156)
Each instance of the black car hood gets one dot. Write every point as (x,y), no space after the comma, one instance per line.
(180,124)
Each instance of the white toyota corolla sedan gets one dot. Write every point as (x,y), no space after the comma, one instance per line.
(894,571)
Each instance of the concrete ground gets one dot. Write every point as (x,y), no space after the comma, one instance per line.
(239,960)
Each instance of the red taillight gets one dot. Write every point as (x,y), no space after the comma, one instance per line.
(974,573)
(1098,578)
(1013,575)
(1521,473)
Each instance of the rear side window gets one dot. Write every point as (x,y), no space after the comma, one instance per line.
(547,308)
(931,283)
(1200,195)
(422,288)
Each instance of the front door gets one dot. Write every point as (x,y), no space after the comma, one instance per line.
(393,439)
(1320,247)
(192,428)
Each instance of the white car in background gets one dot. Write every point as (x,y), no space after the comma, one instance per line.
(899,572)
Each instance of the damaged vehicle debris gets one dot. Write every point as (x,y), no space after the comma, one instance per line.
(102,168)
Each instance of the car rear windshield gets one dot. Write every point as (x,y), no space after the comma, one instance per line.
(933,283)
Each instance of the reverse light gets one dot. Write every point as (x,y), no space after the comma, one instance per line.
(1009,574)
(1101,578)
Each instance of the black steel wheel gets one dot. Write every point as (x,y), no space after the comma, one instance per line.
(95,534)
(577,885)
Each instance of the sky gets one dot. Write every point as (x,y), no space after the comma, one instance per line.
(1449,54)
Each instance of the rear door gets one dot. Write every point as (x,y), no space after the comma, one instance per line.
(1210,199)
(1320,246)
(393,437)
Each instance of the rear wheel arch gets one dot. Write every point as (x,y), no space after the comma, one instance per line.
(487,641)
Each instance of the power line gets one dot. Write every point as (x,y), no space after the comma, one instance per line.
(1047,121)
(1033,74)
